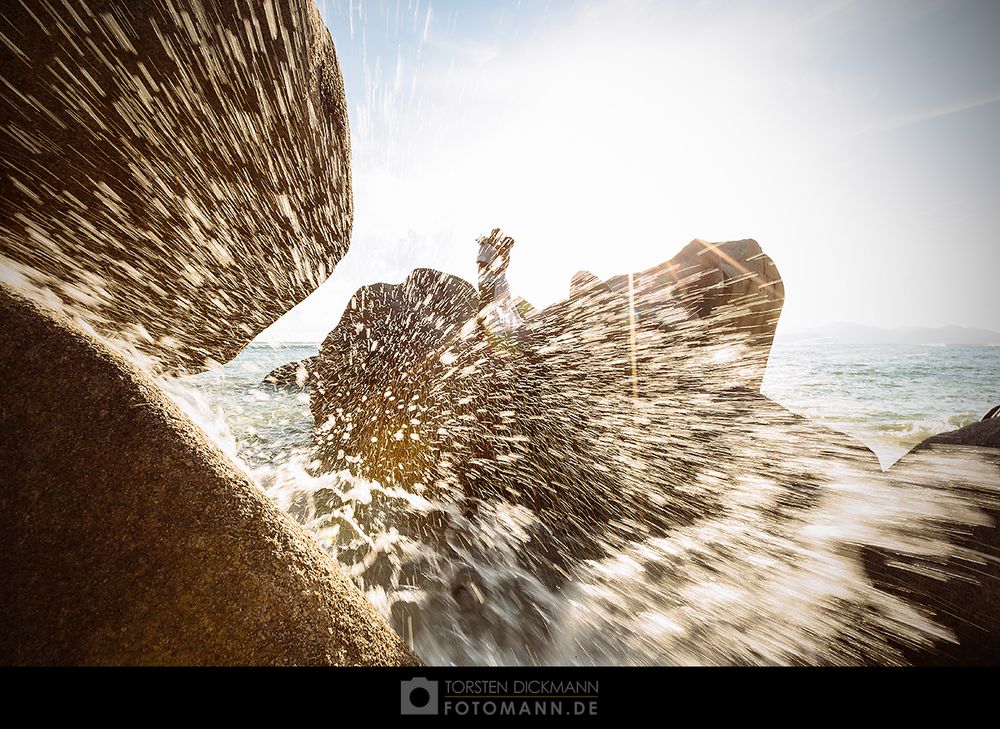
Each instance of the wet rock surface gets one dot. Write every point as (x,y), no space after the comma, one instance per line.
(129,538)
(165,163)
(962,588)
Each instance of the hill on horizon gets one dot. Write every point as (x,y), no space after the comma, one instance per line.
(851,333)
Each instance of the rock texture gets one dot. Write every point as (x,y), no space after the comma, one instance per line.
(377,352)
(524,307)
(961,591)
(565,416)
(129,539)
(735,287)
(706,316)
(581,281)
(984,434)
(176,172)
(292,375)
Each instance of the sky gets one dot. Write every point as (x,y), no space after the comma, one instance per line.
(858,142)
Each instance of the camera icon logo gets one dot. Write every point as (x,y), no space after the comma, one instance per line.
(418,697)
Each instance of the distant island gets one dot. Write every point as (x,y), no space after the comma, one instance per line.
(849,333)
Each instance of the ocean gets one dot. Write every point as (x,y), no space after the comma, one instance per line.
(738,586)
(890,397)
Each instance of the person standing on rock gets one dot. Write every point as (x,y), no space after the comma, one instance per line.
(497,313)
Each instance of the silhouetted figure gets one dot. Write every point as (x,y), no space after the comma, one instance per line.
(496,307)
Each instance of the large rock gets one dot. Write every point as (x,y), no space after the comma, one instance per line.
(593,432)
(128,538)
(175,172)
(291,375)
(376,353)
(698,321)
(734,292)
(961,589)
(624,428)
(590,418)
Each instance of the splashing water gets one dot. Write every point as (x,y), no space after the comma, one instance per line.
(890,397)
(771,577)
(728,532)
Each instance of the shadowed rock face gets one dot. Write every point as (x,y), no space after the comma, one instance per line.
(564,416)
(292,375)
(706,316)
(581,281)
(177,173)
(130,539)
(962,591)
(596,433)
(733,287)
(984,434)
(375,354)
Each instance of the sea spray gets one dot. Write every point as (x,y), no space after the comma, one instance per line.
(740,586)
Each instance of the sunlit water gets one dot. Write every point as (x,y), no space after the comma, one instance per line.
(735,588)
(890,397)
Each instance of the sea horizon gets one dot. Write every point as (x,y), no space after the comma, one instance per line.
(889,397)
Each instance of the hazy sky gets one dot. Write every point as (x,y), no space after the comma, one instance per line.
(859,142)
